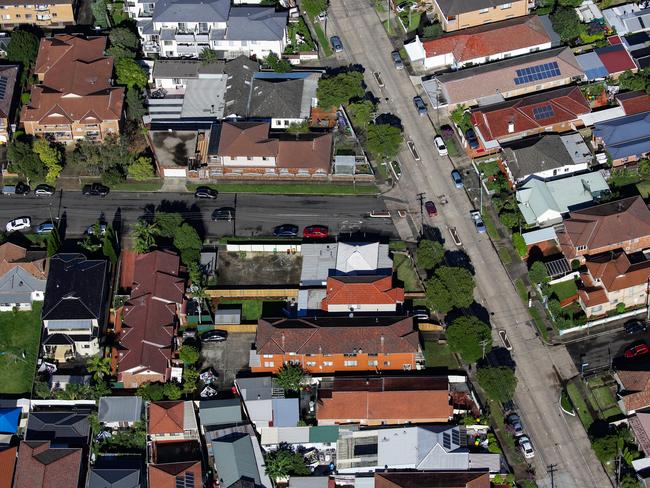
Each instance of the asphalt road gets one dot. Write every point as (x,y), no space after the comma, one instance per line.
(558,440)
(256,215)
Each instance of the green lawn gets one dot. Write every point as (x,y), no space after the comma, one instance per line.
(604,397)
(580,405)
(405,272)
(451,147)
(322,39)
(292,189)
(250,309)
(564,290)
(565,402)
(521,290)
(504,255)
(439,355)
(611,412)
(489,225)
(397,246)
(20,333)
(490,168)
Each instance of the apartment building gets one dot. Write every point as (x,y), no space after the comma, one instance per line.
(54,13)
(461,14)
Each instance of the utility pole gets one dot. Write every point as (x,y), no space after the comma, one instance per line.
(550,469)
(484,344)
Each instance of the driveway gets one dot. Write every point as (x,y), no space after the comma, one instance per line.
(228,358)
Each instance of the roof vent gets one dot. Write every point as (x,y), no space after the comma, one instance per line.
(511,127)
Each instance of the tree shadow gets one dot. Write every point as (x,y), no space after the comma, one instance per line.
(390,119)
(535,254)
(459,259)
(433,233)
(116,223)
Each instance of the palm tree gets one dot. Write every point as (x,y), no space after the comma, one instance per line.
(99,367)
(144,236)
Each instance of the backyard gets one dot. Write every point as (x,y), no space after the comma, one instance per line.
(563,290)
(438,355)
(20,334)
(594,400)
(252,310)
(403,267)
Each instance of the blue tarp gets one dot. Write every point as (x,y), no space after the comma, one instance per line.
(9,418)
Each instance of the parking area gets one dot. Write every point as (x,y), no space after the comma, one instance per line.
(228,358)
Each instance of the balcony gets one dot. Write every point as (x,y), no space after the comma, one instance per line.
(43,18)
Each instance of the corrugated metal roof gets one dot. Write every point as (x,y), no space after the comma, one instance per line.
(324,433)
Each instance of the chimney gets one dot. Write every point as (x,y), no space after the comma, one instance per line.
(511,127)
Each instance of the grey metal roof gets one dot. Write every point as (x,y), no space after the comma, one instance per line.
(592,66)
(318,260)
(256,388)
(204,98)
(285,412)
(240,72)
(19,283)
(256,24)
(120,409)
(234,459)
(114,478)
(61,427)
(191,11)
(455,7)
(272,98)
(625,136)
(185,68)
(145,26)
(220,412)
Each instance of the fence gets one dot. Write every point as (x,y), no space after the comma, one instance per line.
(253,293)
(284,248)
(236,328)
(602,321)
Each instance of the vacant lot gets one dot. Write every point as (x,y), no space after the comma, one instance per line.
(20,334)
(258,269)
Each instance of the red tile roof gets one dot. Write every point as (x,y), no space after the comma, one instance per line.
(13,256)
(614,40)
(438,479)
(362,290)
(487,40)
(166,417)
(566,104)
(616,59)
(7,465)
(616,272)
(634,102)
(165,475)
(634,380)
(40,466)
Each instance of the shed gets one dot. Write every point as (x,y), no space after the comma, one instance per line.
(227,316)
(344,164)
(220,412)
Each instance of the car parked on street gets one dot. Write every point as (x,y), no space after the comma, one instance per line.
(286,230)
(337,45)
(431,209)
(44,190)
(45,228)
(478,221)
(458,179)
(95,190)
(637,350)
(91,230)
(635,326)
(223,213)
(22,188)
(397,60)
(214,336)
(204,192)
(440,146)
(446,131)
(420,106)
(514,424)
(526,447)
(21,223)
(315,232)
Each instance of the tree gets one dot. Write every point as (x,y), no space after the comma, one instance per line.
(632,81)
(361,114)
(277,64)
(629,481)
(141,169)
(499,383)
(23,48)
(432,31)
(172,391)
(135,109)
(143,235)
(188,243)
(101,158)
(567,24)
(570,3)
(383,141)
(429,254)
(51,156)
(100,13)
(450,287)
(124,38)
(465,336)
(537,273)
(208,56)
(189,355)
(152,392)
(606,448)
(519,244)
(24,161)
(168,223)
(298,127)
(509,219)
(339,89)
(289,377)
(42,389)
(284,462)
(53,242)
(554,307)
(119,52)
(130,73)
(98,367)
(190,379)
(110,245)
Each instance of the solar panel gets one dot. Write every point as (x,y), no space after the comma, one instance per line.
(538,72)
(543,112)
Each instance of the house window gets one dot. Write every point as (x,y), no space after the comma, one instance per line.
(269,364)
(86,346)
(269,356)
(349,363)
(328,363)
(386,363)
(177,81)
(484,11)
(597,308)
(311,363)
(373,363)
(292,354)
(505,6)
(581,248)
(249,158)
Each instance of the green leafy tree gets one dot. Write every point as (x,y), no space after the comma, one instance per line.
(284,462)
(339,89)
(119,52)
(110,245)
(100,13)
(629,481)
(432,31)
(143,235)
(23,48)
(189,355)
(277,64)
(51,155)
(632,81)
(99,367)
(519,244)
(554,307)
(465,336)
(92,242)
(124,38)
(188,243)
(152,392)
(499,383)
(570,3)
(493,444)
(53,242)
(450,287)
(190,379)
(130,73)
(141,169)
(537,273)
(208,56)
(606,448)
(383,141)
(172,391)
(111,155)
(567,24)
(42,389)
(168,223)
(135,109)
(361,114)
(429,254)
(289,377)
(24,161)
(298,127)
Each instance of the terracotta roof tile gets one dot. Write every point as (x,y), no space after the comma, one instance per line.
(165,475)
(7,465)
(166,417)
(12,256)
(616,272)
(634,380)
(438,479)
(375,290)
(40,466)
(616,59)
(634,102)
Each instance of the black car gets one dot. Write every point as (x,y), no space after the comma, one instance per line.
(634,326)
(95,190)
(286,230)
(22,188)
(472,140)
(214,336)
(224,213)
(44,190)
(205,192)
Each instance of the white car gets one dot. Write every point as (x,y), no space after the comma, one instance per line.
(440,146)
(526,447)
(20,223)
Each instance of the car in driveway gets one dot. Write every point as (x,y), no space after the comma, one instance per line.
(315,232)
(44,190)
(526,447)
(95,190)
(440,146)
(472,140)
(204,192)
(514,424)
(420,106)
(397,60)
(21,223)
(45,228)
(431,209)
(286,230)
(637,350)
(635,326)
(214,336)
(458,179)
(478,221)
(337,45)
(223,213)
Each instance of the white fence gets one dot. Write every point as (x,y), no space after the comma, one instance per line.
(606,320)
(283,248)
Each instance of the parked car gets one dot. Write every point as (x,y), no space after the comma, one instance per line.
(45,228)
(421,313)
(514,423)
(315,232)
(91,230)
(420,106)
(635,326)
(431,209)
(478,221)
(21,223)
(322,16)
(458,179)
(205,192)
(95,190)
(526,447)
(337,45)
(22,188)
(440,146)
(396,169)
(286,230)
(44,190)
(637,350)
(397,60)
(224,213)
(472,140)
(402,7)
(214,336)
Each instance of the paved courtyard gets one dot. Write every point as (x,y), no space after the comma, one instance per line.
(228,358)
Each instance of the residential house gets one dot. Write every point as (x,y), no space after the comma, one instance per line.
(265,404)
(634,102)
(335,344)
(120,411)
(552,111)
(74,309)
(175,463)
(8,77)
(23,276)
(509,78)
(74,97)
(608,61)
(8,456)
(640,425)
(183,28)
(448,479)
(637,46)
(149,319)
(116,472)
(626,139)
(425,448)
(622,224)
(614,278)
(634,390)
(481,44)
(461,14)
(545,157)
(628,18)
(544,203)
(173,420)
(40,465)
(57,13)
(62,427)
(362,294)
(320,437)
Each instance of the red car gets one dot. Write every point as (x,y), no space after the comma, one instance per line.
(316,232)
(636,351)
(430,208)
